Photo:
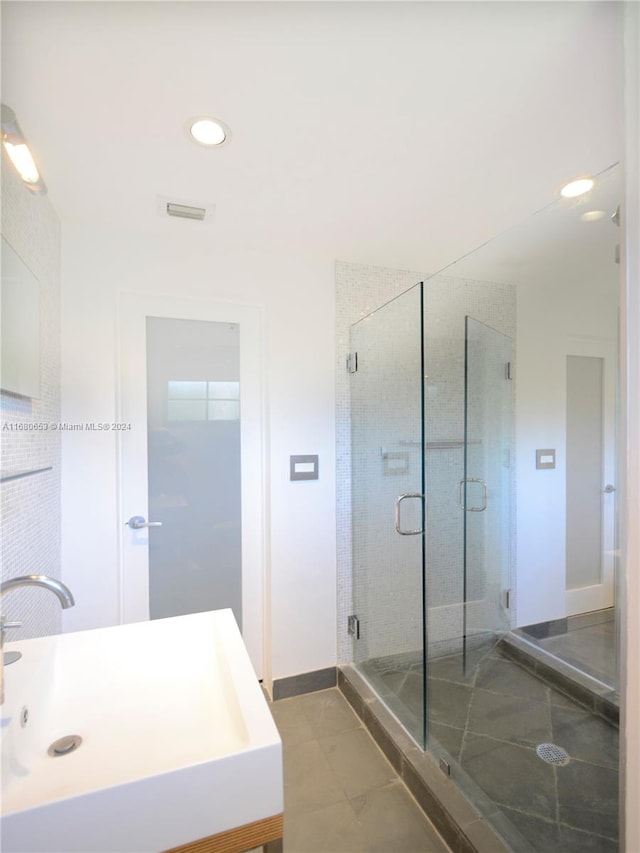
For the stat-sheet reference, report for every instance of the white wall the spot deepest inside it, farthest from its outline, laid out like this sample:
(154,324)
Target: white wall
(549,314)
(298,305)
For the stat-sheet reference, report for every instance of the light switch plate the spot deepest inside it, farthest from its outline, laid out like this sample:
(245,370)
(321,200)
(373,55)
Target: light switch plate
(546,458)
(303,467)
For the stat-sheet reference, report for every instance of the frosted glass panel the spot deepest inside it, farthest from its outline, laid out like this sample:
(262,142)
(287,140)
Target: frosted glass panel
(224,390)
(187,390)
(186,410)
(224,410)
(193,385)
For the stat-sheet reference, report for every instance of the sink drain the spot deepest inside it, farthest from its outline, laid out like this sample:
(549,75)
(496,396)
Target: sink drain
(64,745)
(552,754)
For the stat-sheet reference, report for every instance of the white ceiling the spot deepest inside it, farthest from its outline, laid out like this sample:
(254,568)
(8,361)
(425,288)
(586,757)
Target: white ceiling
(394,133)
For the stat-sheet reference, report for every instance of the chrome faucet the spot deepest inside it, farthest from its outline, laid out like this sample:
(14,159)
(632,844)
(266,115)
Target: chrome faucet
(52,584)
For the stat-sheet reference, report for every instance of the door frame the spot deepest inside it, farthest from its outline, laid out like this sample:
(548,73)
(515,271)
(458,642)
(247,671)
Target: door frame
(132,497)
(599,596)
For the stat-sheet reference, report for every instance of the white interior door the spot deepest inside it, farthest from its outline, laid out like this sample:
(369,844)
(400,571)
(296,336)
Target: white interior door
(591,484)
(191,461)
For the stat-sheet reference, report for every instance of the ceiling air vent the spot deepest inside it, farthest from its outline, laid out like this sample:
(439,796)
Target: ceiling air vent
(185,211)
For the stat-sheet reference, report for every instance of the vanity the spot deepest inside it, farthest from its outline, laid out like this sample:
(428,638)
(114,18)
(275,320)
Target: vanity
(147,737)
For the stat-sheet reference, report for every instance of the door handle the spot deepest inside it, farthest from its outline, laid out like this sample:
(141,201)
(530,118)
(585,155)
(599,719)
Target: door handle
(137,522)
(397,514)
(461,504)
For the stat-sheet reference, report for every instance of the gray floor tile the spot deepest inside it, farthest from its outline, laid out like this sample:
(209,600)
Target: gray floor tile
(392,822)
(513,718)
(331,829)
(356,761)
(589,798)
(545,832)
(561,700)
(585,737)
(309,781)
(341,794)
(448,702)
(411,693)
(450,668)
(511,775)
(592,649)
(476,654)
(395,681)
(449,737)
(506,677)
(328,713)
(292,724)
(575,841)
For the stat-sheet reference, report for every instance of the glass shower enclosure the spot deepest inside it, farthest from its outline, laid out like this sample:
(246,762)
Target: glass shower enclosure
(431,413)
(388,505)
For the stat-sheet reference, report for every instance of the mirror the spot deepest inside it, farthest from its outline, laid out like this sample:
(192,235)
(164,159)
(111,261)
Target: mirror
(20,313)
(562,264)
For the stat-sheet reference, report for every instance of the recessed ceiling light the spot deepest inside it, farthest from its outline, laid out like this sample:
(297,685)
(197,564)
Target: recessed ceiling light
(207,131)
(576,188)
(592,215)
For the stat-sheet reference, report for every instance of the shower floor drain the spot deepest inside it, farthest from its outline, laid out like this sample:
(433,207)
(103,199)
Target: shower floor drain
(552,754)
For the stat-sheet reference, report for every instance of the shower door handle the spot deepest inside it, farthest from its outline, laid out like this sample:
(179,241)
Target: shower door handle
(485,491)
(397,514)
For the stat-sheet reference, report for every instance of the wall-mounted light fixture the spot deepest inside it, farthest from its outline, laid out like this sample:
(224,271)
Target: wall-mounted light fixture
(18,150)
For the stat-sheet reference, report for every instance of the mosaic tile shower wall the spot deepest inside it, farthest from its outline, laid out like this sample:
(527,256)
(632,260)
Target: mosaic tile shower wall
(30,511)
(359,290)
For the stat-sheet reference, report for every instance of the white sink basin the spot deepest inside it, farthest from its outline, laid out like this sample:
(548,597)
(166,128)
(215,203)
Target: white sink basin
(178,742)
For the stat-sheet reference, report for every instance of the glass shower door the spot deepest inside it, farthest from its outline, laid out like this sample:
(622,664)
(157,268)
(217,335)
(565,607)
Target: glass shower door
(485,490)
(468,492)
(387,441)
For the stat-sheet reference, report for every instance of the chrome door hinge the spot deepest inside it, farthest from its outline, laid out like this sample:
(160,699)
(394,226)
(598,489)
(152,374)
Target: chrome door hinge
(506,598)
(352,362)
(508,372)
(353,627)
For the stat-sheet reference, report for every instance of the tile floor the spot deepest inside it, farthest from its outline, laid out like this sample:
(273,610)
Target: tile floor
(341,795)
(490,719)
(592,649)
